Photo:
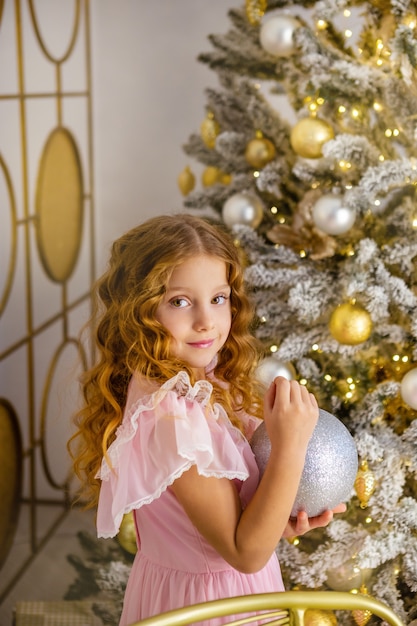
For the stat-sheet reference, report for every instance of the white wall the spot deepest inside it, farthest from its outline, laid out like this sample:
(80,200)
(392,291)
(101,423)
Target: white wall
(148,96)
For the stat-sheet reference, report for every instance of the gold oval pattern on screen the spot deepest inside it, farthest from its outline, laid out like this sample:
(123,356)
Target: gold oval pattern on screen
(10,476)
(7,225)
(59,205)
(36,17)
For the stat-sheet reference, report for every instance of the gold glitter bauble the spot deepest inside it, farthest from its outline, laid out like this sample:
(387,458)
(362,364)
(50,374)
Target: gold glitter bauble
(308,136)
(186,181)
(127,534)
(365,484)
(318,617)
(209,130)
(350,324)
(255,10)
(212,175)
(259,152)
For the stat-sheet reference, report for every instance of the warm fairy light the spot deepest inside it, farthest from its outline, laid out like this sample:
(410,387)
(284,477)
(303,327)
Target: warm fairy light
(303,254)
(263,319)
(312,107)
(295,541)
(345,165)
(377,106)
(346,13)
(315,347)
(404,359)
(348,33)
(379,62)
(377,203)
(273,348)
(327,377)
(388,132)
(303,381)
(396,357)
(342,108)
(321,24)
(281,219)
(368,520)
(352,386)
(349,395)
(354,591)
(320,101)
(379,44)
(414,222)
(349,380)
(256,174)
(348,186)
(355,113)
(381,157)
(395,132)
(274,210)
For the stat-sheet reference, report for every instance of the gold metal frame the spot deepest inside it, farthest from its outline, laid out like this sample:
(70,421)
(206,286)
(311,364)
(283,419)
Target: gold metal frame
(287,607)
(24,242)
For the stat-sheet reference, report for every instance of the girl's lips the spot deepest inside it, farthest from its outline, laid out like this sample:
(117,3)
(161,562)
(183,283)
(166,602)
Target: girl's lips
(202,344)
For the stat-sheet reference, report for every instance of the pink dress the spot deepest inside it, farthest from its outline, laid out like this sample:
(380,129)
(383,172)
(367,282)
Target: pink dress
(166,430)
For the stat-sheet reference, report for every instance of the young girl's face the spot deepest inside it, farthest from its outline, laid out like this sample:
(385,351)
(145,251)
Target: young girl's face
(196,310)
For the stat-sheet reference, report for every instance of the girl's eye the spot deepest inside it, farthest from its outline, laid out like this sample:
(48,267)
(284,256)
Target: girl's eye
(221,299)
(178,303)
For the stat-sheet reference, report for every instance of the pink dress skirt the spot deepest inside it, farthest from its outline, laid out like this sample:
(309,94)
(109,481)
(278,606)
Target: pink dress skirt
(164,432)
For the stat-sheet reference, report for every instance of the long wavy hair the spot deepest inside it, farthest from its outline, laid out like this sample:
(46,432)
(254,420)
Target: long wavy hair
(129,339)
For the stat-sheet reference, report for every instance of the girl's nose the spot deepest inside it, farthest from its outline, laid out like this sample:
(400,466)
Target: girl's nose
(203,319)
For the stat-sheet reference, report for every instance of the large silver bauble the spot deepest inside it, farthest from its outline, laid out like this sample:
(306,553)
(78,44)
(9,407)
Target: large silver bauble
(330,466)
(276,35)
(243,208)
(409,388)
(270,367)
(331,216)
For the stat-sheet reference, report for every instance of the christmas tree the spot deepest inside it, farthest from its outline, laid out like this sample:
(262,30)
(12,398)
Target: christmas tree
(308,152)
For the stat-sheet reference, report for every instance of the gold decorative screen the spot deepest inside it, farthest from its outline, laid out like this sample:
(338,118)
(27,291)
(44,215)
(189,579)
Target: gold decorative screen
(46,263)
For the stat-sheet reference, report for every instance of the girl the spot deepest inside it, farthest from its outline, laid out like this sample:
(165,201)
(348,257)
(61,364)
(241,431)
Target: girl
(169,409)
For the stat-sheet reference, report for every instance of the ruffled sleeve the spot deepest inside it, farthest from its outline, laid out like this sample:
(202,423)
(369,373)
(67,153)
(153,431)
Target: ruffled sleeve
(162,435)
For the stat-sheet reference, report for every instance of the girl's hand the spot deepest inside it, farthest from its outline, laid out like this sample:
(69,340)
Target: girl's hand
(290,414)
(302,524)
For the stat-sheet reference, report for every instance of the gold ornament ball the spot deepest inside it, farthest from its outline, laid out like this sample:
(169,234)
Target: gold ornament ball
(186,181)
(318,617)
(127,534)
(350,324)
(209,130)
(308,136)
(259,152)
(210,176)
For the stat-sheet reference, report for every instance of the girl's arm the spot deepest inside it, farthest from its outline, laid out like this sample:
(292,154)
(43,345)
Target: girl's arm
(247,538)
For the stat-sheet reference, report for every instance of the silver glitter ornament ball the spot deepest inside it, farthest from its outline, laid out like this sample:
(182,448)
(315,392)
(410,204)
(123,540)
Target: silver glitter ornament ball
(330,467)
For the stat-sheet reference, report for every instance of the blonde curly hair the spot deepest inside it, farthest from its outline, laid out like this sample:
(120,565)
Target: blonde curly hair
(129,338)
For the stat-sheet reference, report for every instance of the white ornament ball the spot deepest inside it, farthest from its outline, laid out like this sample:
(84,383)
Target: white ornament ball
(330,466)
(347,576)
(276,35)
(270,367)
(243,208)
(409,388)
(331,216)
